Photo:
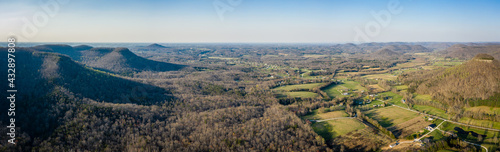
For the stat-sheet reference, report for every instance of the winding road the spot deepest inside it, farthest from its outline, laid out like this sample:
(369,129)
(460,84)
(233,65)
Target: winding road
(446,120)
(492,129)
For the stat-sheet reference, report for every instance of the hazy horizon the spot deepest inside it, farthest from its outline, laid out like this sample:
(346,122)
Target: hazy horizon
(218,21)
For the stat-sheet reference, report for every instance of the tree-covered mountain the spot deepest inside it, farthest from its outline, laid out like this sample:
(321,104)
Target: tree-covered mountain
(122,60)
(116,60)
(52,88)
(42,71)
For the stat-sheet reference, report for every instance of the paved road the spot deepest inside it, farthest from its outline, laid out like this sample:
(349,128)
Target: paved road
(449,120)
(333,119)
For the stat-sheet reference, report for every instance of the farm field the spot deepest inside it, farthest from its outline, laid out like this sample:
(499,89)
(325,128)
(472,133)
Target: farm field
(486,109)
(446,64)
(401,87)
(334,128)
(335,90)
(484,123)
(412,63)
(301,94)
(391,116)
(422,97)
(375,88)
(431,110)
(386,76)
(320,116)
(409,127)
(366,139)
(396,98)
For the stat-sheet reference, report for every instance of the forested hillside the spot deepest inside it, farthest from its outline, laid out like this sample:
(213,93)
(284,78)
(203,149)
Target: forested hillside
(116,60)
(63,105)
(477,79)
(469,51)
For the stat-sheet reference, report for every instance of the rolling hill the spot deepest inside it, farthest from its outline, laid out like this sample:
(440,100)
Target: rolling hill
(384,54)
(477,79)
(469,51)
(407,48)
(399,47)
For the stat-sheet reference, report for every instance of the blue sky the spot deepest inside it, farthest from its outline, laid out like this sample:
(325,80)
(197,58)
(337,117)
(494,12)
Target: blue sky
(314,21)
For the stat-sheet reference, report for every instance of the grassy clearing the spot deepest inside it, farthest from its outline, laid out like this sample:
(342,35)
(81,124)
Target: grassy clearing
(375,88)
(344,126)
(298,86)
(366,139)
(301,94)
(401,87)
(391,116)
(429,67)
(334,128)
(422,97)
(353,85)
(437,135)
(484,123)
(386,76)
(447,64)
(335,90)
(485,109)
(412,63)
(396,98)
(431,110)
(320,116)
